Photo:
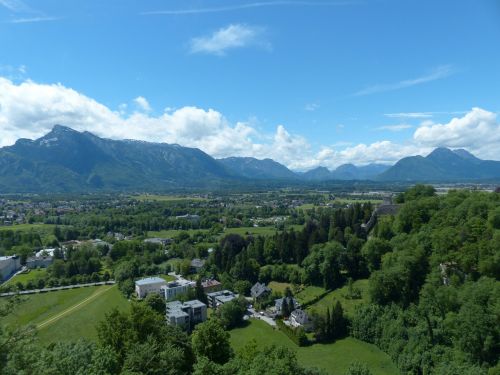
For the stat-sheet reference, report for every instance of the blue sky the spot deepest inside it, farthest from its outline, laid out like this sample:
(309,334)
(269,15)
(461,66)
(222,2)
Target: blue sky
(307,83)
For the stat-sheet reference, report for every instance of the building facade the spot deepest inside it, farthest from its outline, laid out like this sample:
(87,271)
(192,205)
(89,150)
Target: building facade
(174,288)
(8,266)
(149,285)
(186,315)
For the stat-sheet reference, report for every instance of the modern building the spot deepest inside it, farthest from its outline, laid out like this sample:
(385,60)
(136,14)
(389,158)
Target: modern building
(186,315)
(39,261)
(8,266)
(149,285)
(177,287)
(211,285)
(216,299)
(259,290)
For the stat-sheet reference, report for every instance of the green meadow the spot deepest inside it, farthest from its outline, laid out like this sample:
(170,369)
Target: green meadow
(334,358)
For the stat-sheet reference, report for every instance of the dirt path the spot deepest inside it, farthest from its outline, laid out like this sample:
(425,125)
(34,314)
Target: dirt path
(73,308)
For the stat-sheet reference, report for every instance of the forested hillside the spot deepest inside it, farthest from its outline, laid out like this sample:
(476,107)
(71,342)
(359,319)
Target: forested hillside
(435,291)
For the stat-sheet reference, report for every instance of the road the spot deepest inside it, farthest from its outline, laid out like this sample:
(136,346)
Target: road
(34,291)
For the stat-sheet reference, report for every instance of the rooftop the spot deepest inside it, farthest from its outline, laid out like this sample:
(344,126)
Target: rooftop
(150,280)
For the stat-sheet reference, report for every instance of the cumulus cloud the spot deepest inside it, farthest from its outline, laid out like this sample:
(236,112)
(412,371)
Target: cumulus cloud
(142,103)
(311,107)
(230,37)
(30,110)
(478,131)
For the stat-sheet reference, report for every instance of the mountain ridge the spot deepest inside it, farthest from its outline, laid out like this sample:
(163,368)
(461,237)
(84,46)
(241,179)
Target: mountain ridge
(67,160)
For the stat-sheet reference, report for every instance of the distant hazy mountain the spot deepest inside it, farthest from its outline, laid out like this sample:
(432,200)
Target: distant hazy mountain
(346,172)
(442,164)
(67,160)
(255,168)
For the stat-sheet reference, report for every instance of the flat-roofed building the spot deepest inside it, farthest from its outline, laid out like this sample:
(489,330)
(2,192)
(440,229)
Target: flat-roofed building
(149,285)
(186,315)
(174,288)
(219,298)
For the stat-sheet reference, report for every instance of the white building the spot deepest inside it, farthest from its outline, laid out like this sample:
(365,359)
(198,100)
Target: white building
(8,266)
(175,288)
(149,285)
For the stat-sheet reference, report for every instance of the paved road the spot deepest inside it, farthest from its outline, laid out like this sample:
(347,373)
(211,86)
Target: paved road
(254,314)
(44,290)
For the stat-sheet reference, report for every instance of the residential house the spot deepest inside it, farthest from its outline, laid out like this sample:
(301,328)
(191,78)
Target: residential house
(299,318)
(187,314)
(174,288)
(149,285)
(259,290)
(216,299)
(8,266)
(291,302)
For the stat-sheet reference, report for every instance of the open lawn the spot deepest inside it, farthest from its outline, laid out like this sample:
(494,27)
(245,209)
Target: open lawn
(243,231)
(309,293)
(32,275)
(349,305)
(68,314)
(334,358)
(43,228)
(171,233)
(279,287)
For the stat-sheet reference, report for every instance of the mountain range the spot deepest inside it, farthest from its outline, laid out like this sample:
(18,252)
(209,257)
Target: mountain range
(66,160)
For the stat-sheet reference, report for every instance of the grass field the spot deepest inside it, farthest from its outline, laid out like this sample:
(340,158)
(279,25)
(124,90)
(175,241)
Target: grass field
(32,275)
(309,293)
(334,358)
(279,287)
(68,314)
(256,231)
(27,227)
(348,305)
(171,233)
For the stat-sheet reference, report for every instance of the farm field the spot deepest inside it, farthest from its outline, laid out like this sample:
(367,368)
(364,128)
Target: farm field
(68,314)
(334,358)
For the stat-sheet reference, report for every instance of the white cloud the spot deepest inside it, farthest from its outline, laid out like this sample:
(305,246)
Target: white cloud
(230,37)
(34,19)
(395,128)
(30,110)
(311,107)
(478,131)
(440,72)
(142,103)
(247,6)
(409,115)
